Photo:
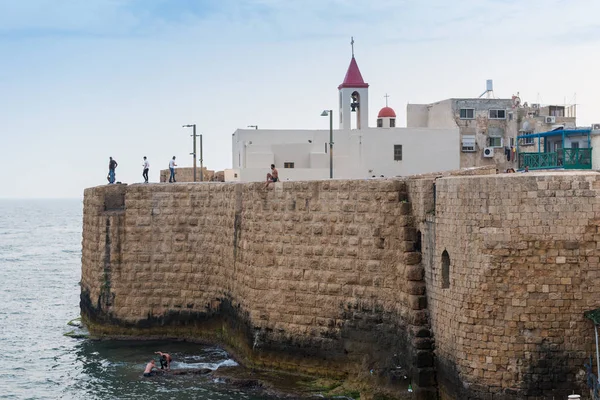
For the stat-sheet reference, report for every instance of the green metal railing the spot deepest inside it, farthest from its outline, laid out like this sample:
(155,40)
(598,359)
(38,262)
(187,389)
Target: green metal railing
(538,160)
(563,158)
(577,158)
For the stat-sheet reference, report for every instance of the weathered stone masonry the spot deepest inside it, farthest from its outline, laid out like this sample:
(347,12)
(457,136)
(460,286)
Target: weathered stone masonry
(342,277)
(320,276)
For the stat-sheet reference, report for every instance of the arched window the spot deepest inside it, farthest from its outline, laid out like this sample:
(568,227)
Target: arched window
(445,270)
(417,245)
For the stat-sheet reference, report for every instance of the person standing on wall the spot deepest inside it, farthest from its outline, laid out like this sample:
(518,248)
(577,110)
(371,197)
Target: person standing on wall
(112,165)
(146,168)
(172,166)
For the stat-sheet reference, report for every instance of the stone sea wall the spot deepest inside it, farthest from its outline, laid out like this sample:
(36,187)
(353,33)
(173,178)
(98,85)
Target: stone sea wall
(320,277)
(470,286)
(524,265)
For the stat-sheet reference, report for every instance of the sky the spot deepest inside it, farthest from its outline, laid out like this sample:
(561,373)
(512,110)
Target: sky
(84,80)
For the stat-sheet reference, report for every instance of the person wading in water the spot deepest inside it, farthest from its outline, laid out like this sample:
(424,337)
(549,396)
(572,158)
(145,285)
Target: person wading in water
(165,360)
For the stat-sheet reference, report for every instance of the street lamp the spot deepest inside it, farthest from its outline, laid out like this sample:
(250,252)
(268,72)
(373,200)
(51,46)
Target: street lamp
(324,114)
(194,152)
(253,126)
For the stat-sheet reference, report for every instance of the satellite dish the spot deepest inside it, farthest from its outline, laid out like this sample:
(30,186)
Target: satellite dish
(526,127)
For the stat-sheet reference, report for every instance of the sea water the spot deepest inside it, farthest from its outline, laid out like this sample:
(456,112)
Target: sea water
(40,270)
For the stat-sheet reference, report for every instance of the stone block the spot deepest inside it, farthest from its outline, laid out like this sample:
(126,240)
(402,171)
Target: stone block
(424,377)
(417,302)
(415,288)
(411,258)
(415,273)
(423,359)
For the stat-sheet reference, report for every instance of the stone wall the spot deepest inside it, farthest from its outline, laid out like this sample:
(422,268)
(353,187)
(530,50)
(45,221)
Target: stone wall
(345,277)
(186,174)
(318,277)
(524,266)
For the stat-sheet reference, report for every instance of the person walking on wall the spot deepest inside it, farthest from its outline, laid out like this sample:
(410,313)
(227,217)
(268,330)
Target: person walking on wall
(146,168)
(172,166)
(112,165)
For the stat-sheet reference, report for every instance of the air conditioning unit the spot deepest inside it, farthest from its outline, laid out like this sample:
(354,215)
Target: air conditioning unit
(488,152)
(596,127)
(535,105)
(550,120)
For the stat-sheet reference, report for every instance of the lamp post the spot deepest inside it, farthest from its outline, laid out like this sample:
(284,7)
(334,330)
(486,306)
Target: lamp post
(194,151)
(253,126)
(324,114)
(201,161)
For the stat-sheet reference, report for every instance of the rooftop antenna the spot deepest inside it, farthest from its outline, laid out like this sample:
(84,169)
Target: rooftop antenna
(489,90)
(352,44)
(386,99)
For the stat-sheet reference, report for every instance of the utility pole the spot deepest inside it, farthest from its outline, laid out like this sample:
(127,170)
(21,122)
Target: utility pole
(194,153)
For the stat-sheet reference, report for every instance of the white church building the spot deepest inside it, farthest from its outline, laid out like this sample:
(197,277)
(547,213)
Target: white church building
(353,151)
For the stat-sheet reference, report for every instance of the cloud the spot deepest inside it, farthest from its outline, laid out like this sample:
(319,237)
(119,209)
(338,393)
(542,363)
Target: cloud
(99,18)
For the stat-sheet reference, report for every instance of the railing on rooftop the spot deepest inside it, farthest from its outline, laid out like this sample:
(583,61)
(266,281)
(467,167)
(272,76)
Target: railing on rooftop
(563,158)
(577,158)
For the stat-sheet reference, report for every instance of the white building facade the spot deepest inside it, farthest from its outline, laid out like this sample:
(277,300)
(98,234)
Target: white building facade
(358,150)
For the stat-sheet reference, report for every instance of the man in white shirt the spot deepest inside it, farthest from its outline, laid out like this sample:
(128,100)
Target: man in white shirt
(146,168)
(172,166)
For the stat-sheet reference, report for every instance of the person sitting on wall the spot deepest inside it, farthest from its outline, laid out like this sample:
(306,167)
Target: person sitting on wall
(150,367)
(165,360)
(273,176)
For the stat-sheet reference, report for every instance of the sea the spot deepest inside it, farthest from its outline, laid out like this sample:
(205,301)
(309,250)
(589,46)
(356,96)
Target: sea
(40,270)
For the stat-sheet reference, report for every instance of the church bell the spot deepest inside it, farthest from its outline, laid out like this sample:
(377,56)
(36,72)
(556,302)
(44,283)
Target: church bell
(355,104)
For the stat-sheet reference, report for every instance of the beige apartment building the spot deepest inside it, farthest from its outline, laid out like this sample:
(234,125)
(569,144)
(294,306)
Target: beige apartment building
(489,129)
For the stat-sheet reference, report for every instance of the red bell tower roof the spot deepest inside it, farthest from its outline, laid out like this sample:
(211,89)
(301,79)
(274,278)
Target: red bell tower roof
(353,77)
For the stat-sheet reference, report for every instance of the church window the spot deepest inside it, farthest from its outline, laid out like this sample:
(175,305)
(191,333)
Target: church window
(397,152)
(392,122)
(288,165)
(467,113)
(379,122)
(445,270)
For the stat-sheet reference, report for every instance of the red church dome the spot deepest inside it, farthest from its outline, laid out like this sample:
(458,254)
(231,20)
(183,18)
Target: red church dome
(387,112)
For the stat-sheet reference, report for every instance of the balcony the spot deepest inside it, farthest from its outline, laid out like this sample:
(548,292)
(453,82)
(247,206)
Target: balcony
(572,149)
(563,158)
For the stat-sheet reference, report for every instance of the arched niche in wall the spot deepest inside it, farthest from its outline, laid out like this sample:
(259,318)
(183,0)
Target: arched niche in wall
(417,246)
(445,270)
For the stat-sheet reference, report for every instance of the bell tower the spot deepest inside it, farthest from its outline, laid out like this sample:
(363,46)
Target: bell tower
(354,98)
